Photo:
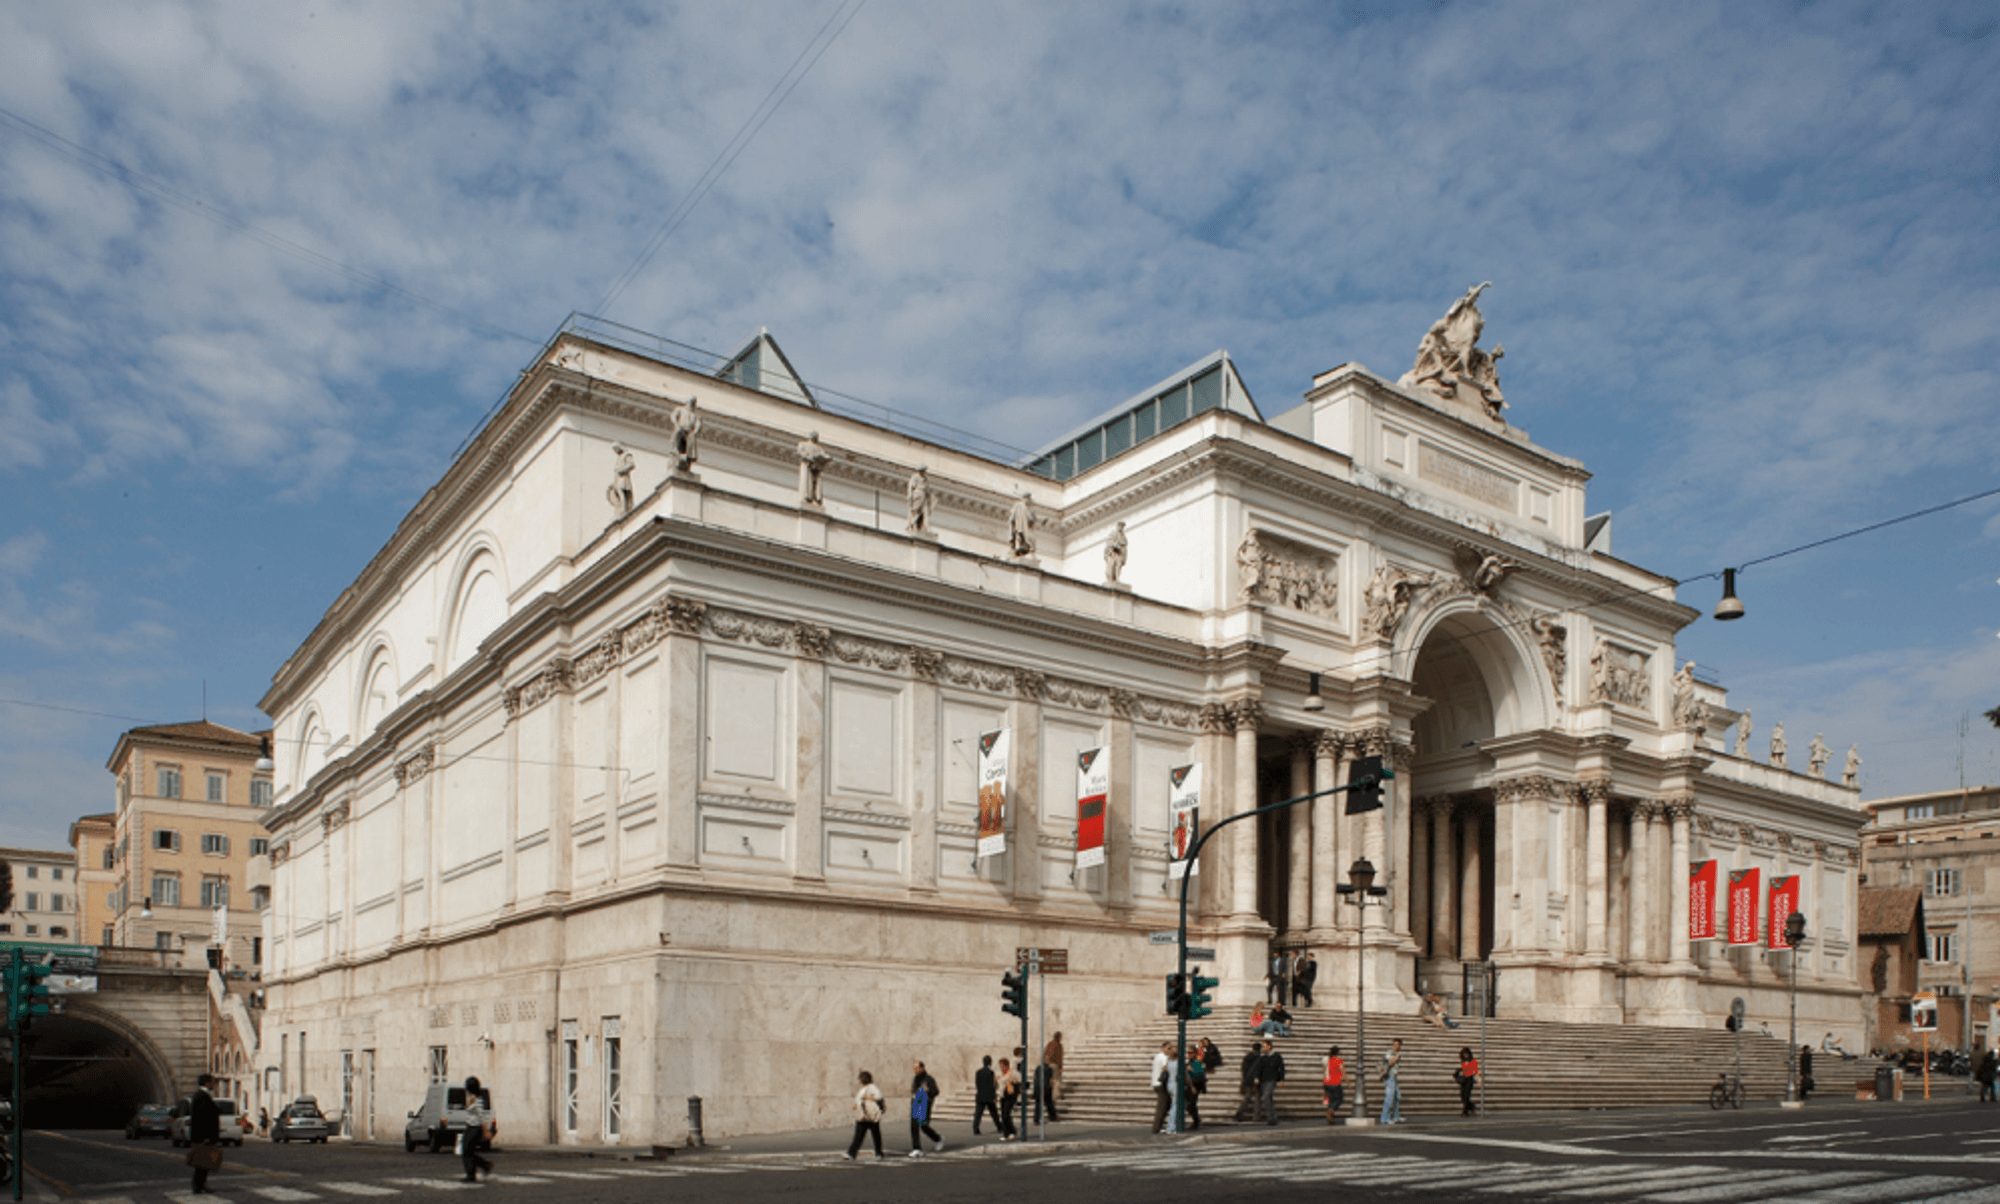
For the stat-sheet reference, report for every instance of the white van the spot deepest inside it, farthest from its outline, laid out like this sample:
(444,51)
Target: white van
(443,1117)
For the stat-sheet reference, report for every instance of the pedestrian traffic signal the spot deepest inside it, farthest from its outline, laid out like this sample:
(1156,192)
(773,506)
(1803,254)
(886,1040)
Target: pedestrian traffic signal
(27,994)
(1200,1002)
(1365,778)
(1014,993)
(1177,996)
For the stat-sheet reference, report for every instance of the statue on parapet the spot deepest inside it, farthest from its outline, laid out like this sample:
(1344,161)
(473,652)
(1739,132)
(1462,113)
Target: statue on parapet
(1116,548)
(1818,755)
(1851,775)
(1020,527)
(1450,364)
(687,429)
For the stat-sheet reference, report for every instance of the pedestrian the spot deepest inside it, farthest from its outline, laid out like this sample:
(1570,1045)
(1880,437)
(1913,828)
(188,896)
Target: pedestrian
(1275,978)
(1270,1072)
(1052,1054)
(1246,1106)
(1805,1072)
(1045,1096)
(1010,1099)
(1194,1081)
(204,1132)
(1987,1072)
(1277,1024)
(923,1093)
(479,1129)
(985,1096)
(867,1116)
(264,1122)
(1211,1059)
(1162,1095)
(1303,980)
(1392,1091)
(1467,1075)
(1334,1085)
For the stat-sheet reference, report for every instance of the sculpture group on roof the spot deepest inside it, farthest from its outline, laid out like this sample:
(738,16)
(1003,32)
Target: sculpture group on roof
(1450,365)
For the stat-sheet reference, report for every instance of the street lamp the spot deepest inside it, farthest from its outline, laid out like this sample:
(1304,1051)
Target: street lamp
(1795,935)
(1360,890)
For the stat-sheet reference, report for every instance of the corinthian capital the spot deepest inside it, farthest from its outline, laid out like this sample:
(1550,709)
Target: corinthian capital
(1246,714)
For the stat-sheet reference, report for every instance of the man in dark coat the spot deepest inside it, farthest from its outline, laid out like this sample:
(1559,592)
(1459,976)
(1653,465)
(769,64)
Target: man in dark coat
(986,1096)
(1246,1109)
(1303,980)
(204,1128)
(1805,1072)
(1270,1072)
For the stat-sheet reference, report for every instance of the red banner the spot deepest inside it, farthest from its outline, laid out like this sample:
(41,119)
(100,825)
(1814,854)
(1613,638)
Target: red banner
(1784,901)
(1701,899)
(1744,896)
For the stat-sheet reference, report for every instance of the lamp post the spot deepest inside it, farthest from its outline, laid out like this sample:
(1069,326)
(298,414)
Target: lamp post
(1360,890)
(1795,935)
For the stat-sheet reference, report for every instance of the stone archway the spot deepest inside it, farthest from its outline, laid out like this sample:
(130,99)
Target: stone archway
(1483,679)
(89,1068)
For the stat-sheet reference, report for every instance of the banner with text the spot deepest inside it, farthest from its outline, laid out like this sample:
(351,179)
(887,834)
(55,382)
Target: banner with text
(1184,806)
(1701,899)
(1784,901)
(1744,894)
(993,793)
(1093,785)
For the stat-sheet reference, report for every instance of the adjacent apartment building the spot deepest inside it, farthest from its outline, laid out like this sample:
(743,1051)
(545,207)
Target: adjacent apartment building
(94,840)
(1947,845)
(44,907)
(190,800)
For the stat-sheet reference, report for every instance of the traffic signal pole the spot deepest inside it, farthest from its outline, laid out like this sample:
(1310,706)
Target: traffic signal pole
(16,1021)
(1194,851)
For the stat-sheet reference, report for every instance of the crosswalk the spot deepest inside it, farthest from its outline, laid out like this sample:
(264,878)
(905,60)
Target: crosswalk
(1662,1182)
(238,1188)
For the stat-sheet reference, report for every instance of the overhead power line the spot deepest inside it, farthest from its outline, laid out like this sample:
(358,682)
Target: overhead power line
(773,100)
(169,194)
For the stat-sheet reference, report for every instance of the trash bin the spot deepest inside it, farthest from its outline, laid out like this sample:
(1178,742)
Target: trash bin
(1885,1083)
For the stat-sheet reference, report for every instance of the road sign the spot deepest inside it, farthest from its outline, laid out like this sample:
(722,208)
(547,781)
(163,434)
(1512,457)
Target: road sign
(1171,936)
(1198,954)
(1923,1012)
(1047,961)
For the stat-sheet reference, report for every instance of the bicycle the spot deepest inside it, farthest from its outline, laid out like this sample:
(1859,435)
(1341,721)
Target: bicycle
(1728,1090)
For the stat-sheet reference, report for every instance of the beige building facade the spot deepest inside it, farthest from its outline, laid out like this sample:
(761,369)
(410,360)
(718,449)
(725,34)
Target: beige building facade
(94,841)
(643,761)
(191,800)
(1945,844)
(45,897)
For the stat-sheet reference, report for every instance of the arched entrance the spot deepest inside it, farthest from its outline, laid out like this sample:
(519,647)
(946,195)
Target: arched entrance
(1482,682)
(89,1069)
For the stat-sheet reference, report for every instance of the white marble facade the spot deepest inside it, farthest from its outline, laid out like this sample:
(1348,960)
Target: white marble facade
(679,799)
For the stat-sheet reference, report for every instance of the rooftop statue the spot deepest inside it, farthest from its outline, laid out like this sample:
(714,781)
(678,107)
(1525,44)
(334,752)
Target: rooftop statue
(1449,365)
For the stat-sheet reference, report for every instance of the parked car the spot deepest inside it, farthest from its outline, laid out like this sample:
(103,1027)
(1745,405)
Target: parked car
(151,1120)
(231,1117)
(301,1120)
(442,1118)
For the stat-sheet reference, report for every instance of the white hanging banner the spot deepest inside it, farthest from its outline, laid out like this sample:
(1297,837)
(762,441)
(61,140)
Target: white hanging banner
(1184,805)
(993,747)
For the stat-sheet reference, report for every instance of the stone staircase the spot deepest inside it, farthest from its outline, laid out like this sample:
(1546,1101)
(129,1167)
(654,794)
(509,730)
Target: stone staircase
(1530,1065)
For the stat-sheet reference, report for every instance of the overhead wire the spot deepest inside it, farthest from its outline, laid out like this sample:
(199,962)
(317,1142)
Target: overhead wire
(752,125)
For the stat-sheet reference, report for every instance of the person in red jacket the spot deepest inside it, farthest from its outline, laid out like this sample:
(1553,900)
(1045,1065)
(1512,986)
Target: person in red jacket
(1467,1075)
(1334,1085)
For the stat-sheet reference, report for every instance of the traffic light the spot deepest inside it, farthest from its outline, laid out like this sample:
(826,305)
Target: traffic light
(1014,993)
(1733,1024)
(1177,996)
(1199,1001)
(1366,776)
(27,994)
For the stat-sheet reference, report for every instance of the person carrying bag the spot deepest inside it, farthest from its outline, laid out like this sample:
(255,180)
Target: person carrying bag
(204,1133)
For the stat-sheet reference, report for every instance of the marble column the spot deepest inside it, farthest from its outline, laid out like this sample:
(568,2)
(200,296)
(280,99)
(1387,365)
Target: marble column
(1597,869)
(1420,874)
(1298,830)
(680,809)
(1403,758)
(1682,811)
(1244,715)
(1659,907)
(1617,924)
(1468,883)
(1443,930)
(1641,858)
(1024,784)
(1326,867)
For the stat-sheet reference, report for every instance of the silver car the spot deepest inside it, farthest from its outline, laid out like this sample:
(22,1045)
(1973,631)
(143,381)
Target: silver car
(300,1121)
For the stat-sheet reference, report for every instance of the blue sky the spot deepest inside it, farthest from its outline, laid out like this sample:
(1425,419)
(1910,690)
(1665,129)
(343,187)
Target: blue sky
(1744,262)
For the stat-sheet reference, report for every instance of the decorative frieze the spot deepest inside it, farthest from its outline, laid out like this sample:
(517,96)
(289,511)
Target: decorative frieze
(1281,572)
(1621,675)
(553,679)
(1214,718)
(852,650)
(926,662)
(1029,683)
(334,818)
(978,675)
(811,640)
(1075,694)
(750,629)
(597,661)
(412,770)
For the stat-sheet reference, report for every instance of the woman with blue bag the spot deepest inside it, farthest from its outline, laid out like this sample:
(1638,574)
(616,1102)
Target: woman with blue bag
(923,1093)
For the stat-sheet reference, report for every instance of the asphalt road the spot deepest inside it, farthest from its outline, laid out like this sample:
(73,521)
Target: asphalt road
(1835,1154)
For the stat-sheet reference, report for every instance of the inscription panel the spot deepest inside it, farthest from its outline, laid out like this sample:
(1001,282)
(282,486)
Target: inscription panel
(1467,477)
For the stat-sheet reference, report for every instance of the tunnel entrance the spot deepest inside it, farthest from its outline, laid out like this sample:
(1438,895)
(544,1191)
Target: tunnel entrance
(83,1073)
